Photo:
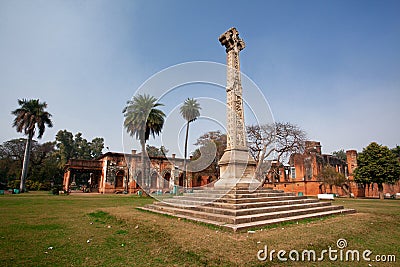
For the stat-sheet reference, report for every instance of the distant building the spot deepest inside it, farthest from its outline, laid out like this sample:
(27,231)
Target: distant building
(110,173)
(301,175)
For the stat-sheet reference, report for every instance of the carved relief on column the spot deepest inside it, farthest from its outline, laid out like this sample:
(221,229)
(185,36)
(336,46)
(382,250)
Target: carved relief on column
(237,168)
(235,119)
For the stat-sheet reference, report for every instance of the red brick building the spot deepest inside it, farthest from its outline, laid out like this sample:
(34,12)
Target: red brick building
(301,175)
(118,172)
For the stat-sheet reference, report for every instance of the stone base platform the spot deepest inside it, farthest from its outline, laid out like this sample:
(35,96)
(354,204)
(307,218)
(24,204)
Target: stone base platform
(239,209)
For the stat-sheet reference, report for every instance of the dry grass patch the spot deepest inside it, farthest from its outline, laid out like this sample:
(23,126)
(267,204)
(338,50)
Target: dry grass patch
(121,235)
(374,228)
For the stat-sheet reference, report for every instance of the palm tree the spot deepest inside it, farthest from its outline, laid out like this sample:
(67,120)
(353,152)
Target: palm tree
(142,118)
(31,115)
(190,111)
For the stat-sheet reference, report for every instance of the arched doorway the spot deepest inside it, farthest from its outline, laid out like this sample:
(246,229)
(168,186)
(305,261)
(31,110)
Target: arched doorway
(119,179)
(199,180)
(322,188)
(181,179)
(167,177)
(153,183)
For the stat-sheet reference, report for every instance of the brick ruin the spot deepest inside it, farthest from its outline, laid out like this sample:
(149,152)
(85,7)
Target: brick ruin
(301,175)
(110,174)
(118,172)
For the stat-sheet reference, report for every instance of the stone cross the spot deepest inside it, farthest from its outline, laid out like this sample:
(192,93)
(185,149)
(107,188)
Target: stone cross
(236,138)
(237,167)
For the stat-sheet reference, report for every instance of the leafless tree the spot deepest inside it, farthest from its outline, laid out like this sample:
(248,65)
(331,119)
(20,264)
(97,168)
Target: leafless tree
(275,141)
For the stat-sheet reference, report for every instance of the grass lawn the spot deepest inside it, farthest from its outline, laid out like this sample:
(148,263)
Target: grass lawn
(38,229)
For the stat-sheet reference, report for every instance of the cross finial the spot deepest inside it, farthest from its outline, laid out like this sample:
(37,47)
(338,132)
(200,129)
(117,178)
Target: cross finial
(231,40)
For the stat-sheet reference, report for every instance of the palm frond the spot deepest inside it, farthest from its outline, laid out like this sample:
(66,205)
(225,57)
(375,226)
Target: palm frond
(31,115)
(142,118)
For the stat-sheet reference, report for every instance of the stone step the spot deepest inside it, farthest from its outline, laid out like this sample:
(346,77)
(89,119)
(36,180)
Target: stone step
(191,203)
(243,218)
(284,213)
(235,191)
(241,209)
(245,186)
(234,200)
(257,224)
(191,213)
(148,208)
(250,211)
(236,196)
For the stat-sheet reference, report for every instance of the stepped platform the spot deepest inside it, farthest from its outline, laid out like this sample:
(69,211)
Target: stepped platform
(238,209)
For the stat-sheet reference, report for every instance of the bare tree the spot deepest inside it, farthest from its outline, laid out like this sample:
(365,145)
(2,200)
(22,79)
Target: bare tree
(274,141)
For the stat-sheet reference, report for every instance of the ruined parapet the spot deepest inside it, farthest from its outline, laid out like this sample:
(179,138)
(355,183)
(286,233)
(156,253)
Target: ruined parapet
(351,156)
(313,146)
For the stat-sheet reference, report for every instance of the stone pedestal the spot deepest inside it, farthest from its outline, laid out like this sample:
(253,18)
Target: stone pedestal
(237,169)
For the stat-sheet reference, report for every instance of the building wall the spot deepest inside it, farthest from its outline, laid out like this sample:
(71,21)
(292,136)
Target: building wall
(121,172)
(309,164)
(113,172)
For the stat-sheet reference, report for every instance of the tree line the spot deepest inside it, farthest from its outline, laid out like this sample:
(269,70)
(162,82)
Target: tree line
(47,160)
(27,164)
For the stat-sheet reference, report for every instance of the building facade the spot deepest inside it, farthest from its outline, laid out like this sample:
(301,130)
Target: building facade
(302,174)
(118,172)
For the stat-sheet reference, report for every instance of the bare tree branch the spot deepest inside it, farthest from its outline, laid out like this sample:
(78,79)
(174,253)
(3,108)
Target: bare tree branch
(274,141)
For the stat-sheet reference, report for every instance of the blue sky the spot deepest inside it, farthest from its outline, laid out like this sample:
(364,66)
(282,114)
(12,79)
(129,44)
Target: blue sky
(331,67)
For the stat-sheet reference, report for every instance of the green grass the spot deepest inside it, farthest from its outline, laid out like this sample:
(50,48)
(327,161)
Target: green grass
(38,229)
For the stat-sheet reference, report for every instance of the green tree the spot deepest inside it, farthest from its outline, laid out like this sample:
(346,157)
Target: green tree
(377,164)
(31,115)
(212,146)
(13,149)
(41,151)
(396,151)
(142,119)
(81,147)
(41,165)
(329,176)
(65,146)
(48,171)
(190,111)
(45,167)
(96,147)
(153,151)
(77,147)
(341,154)
(11,159)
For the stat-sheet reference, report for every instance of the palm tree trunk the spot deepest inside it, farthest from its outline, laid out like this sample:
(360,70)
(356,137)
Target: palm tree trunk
(25,165)
(184,161)
(143,183)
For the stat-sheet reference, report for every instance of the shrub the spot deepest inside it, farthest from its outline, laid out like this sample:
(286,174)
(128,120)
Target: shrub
(56,189)
(14,184)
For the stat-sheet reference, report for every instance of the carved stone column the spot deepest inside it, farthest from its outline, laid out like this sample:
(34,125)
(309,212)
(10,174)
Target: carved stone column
(237,167)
